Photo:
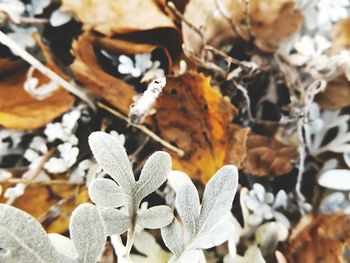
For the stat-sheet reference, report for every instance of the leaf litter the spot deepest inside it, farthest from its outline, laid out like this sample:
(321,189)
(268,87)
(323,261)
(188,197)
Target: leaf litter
(185,131)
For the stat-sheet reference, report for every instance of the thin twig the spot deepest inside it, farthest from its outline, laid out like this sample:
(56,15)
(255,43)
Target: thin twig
(39,168)
(19,51)
(33,20)
(144,129)
(44,182)
(178,14)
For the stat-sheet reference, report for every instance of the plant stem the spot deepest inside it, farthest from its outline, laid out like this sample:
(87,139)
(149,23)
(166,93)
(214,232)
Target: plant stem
(130,241)
(19,51)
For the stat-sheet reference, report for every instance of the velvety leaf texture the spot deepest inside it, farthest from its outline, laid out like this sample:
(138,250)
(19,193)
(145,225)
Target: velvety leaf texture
(112,157)
(88,233)
(153,174)
(218,196)
(173,236)
(209,227)
(187,204)
(24,240)
(156,217)
(116,222)
(106,193)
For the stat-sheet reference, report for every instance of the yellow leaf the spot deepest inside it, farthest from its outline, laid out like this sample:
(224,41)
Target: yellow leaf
(197,118)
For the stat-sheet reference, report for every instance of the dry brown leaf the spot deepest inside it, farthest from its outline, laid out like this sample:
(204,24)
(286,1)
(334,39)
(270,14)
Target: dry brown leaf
(8,65)
(273,21)
(218,20)
(118,17)
(18,110)
(194,116)
(124,46)
(223,21)
(38,198)
(341,36)
(88,71)
(336,95)
(321,239)
(266,156)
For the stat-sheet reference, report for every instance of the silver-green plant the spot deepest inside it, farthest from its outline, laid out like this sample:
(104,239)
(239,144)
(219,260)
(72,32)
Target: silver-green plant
(23,240)
(204,225)
(125,191)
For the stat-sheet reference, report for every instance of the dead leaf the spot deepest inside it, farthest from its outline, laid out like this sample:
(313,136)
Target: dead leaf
(336,94)
(118,17)
(9,64)
(124,46)
(321,239)
(218,20)
(341,36)
(88,71)
(221,22)
(38,198)
(266,156)
(273,21)
(194,116)
(18,110)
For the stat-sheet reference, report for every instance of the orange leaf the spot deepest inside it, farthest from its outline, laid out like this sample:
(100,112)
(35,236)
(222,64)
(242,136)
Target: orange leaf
(194,116)
(336,95)
(87,70)
(322,239)
(18,110)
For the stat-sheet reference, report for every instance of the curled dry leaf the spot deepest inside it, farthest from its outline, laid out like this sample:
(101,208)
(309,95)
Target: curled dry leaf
(38,198)
(341,36)
(87,70)
(336,94)
(18,110)
(223,21)
(196,117)
(266,156)
(322,239)
(273,21)
(118,17)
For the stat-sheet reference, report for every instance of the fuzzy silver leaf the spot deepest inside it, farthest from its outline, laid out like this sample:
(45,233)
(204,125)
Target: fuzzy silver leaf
(112,157)
(88,233)
(153,174)
(106,193)
(155,217)
(116,222)
(23,239)
(188,207)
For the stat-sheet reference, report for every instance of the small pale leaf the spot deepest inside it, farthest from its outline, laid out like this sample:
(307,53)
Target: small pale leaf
(106,193)
(218,196)
(216,235)
(116,222)
(173,237)
(188,206)
(112,157)
(23,240)
(153,174)
(63,245)
(338,179)
(88,233)
(156,217)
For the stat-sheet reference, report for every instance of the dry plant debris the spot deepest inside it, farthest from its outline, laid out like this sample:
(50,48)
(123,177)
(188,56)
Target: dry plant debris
(181,131)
